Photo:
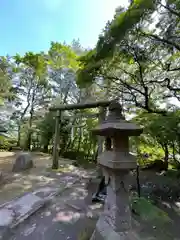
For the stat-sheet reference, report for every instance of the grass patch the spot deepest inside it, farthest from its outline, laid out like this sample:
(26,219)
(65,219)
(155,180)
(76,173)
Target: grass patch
(148,211)
(88,231)
(85,235)
(172,173)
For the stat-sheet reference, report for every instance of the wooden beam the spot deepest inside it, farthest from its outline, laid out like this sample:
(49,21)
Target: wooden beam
(76,126)
(55,163)
(79,115)
(81,106)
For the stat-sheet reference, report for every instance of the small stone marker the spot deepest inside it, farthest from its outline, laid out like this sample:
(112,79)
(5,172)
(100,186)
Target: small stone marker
(23,162)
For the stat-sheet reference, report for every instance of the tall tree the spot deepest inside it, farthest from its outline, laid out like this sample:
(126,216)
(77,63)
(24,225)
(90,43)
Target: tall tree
(33,88)
(140,68)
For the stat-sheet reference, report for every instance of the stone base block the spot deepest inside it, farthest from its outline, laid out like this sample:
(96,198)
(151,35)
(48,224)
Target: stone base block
(104,231)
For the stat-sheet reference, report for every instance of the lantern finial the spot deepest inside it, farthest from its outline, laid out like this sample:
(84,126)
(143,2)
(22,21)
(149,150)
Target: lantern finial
(115,112)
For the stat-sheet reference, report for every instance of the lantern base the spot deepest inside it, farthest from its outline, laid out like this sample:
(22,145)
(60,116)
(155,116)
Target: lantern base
(104,231)
(115,221)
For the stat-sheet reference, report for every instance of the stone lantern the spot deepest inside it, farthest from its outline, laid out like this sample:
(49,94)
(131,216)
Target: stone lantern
(115,222)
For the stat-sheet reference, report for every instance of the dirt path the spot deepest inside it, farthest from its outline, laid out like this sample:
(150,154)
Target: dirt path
(16,184)
(67,217)
(7,159)
(71,213)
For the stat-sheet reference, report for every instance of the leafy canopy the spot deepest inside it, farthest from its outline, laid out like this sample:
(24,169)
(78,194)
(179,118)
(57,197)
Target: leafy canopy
(125,21)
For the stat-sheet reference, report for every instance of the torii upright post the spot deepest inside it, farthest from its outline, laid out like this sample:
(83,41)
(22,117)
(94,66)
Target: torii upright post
(55,164)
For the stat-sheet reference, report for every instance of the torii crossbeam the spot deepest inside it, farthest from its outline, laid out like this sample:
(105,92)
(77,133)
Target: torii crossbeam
(58,109)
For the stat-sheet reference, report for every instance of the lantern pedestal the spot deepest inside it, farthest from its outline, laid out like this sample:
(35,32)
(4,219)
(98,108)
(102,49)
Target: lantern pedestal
(115,222)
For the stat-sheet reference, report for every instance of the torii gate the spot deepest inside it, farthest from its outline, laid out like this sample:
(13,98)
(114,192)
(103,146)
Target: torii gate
(102,105)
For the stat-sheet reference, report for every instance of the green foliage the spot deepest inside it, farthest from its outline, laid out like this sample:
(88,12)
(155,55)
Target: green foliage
(120,25)
(153,153)
(7,143)
(6,87)
(140,58)
(4,144)
(149,212)
(165,128)
(62,56)
(161,134)
(46,128)
(35,61)
(41,88)
(107,42)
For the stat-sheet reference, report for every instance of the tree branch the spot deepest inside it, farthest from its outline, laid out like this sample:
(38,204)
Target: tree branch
(134,97)
(171,10)
(166,41)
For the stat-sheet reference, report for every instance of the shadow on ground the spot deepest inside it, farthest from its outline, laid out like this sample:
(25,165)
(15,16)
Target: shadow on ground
(72,213)
(70,216)
(16,184)
(73,216)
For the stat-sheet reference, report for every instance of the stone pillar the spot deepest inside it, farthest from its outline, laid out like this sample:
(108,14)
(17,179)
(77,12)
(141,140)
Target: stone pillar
(101,118)
(115,222)
(116,163)
(118,214)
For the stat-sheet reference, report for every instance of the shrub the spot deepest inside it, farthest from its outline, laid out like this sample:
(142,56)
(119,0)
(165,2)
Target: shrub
(4,143)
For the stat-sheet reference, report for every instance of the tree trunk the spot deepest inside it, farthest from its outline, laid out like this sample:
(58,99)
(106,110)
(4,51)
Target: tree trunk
(67,146)
(45,148)
(166,156)
(24,113)
(73,143)
(174,152)
(178,137)
(31,119)
(79,140)
(86,145)
(30,129)
(89,150)
(19,136)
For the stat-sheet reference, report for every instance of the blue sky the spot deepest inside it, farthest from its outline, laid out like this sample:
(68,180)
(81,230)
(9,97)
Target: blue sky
(30,25)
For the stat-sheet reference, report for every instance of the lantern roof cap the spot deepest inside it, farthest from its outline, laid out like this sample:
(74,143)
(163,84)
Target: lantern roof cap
(116,123)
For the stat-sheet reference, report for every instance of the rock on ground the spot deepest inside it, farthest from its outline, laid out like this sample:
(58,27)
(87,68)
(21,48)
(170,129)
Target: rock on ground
(6,217)
(23,162)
